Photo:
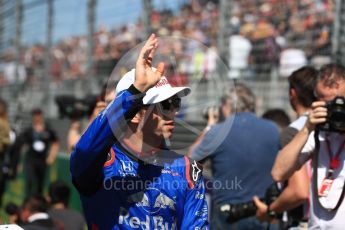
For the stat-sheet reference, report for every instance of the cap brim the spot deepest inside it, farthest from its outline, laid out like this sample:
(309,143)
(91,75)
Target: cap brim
(164,94)
(126,81)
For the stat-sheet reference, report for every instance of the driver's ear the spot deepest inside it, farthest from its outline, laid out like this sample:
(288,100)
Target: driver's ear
(137,118)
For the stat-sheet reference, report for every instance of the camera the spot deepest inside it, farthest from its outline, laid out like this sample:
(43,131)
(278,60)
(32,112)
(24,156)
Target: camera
(206,111)
(75,108)
(335,116)
(217,113)
(236,212)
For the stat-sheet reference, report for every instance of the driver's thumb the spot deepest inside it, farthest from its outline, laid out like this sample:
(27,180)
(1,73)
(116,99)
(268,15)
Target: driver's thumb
(160,68)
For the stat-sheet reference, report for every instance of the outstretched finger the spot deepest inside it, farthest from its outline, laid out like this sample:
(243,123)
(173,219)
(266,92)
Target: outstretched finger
(150,53)
(154,47)
(147,49)
(151,41)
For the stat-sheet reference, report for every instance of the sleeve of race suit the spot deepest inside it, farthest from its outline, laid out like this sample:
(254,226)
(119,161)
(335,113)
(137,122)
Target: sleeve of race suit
(195,208)
(90,153)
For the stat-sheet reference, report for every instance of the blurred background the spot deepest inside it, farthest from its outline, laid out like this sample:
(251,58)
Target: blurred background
(54,53)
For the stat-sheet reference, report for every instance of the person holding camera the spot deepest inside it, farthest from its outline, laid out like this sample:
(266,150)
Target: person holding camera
(294,197)
(242,150)
(322,139)
(76,127)
(122,166)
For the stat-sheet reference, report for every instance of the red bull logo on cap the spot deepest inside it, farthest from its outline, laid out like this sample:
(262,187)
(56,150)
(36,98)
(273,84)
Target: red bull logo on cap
(162,82)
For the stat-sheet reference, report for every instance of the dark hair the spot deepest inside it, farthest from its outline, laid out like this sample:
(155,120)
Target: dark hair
(36,111)
(35,203)
(330,73)
(278,116)
(11,208)
(303,81)
(59,192)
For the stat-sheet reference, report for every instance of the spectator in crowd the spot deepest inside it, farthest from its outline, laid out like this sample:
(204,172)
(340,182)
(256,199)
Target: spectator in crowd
(34,214)
(242,150)
(278,116)
(8,158)
(322,51)
(291,59)
(4,144)
(13,212)
(301,95)
(42,150)
(127,143)
(326,146)
(265,51)
(59,195)
(14,73)
(306,23)
(240,49)
(296,190)
(108,94)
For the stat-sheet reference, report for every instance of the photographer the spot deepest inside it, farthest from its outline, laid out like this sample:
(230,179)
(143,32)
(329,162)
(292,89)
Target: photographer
(296,189)
(75,130)
(242,150)
(322,139)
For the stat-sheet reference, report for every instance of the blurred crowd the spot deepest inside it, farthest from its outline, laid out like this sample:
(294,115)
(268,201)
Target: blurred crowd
(284,34)
(49,212)
(276,36)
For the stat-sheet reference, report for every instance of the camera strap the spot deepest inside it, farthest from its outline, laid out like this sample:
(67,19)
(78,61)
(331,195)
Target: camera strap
(315,174)
(334,160)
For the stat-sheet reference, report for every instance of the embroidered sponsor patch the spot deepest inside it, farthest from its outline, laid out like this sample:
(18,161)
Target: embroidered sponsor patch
(193,172)
(196,172)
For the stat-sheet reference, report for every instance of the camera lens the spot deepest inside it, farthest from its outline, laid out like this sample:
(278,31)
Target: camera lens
(337,114)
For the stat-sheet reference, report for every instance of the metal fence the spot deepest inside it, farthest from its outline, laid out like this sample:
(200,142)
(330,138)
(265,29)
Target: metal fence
(55,47)
(60,47)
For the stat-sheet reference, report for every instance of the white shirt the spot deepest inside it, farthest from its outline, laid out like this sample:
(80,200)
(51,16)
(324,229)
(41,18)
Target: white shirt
(240,48)
(10,72)
(38,216)
(299,123)
(291,60)
(319,217)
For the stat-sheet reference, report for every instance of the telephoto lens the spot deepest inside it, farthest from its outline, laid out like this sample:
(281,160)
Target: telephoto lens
(236,212)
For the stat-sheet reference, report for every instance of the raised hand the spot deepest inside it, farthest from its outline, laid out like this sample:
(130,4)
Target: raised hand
(145,76)
(317,115)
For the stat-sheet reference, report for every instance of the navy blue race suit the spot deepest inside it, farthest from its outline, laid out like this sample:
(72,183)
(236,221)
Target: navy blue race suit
(120,191)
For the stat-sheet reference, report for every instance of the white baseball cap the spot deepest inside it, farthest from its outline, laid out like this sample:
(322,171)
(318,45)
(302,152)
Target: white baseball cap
(161,91)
